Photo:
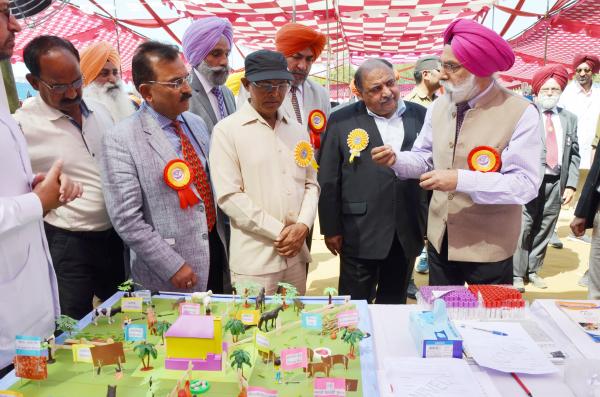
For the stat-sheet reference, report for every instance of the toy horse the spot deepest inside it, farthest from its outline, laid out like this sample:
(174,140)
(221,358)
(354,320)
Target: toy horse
(266,316)
(260,300)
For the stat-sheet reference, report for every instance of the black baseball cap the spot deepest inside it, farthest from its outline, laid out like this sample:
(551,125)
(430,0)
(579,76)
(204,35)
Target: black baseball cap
(266,65)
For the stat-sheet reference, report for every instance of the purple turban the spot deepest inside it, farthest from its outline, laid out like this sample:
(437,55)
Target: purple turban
(480,50)
(202,35)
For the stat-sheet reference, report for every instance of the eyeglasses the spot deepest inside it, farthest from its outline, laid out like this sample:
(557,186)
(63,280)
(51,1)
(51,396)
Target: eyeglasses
(175,84)
(551,90)
(586,71)
(271,87)
(62,88)
(451,67)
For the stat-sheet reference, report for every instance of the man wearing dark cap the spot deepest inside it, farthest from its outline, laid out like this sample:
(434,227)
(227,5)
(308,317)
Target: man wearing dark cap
(479,152)
(427,80)
(561,171)
(264,176)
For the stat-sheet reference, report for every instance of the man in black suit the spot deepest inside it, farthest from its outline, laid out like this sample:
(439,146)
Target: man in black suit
(368,216)
(586,217)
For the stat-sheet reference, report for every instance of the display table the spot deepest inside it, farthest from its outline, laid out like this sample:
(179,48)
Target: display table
(392,339)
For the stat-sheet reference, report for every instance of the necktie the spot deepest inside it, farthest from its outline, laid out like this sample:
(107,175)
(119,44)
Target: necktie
(296,105)
(200,176)
(220,100)
(551,143)
(461,109)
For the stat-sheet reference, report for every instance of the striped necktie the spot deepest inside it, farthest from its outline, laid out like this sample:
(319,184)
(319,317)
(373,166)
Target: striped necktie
(220,100)
(295,104)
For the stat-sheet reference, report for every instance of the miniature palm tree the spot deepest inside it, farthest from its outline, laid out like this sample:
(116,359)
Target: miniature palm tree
(330,291)
(352,337)
(66,324)
(239,358)
(288,291)
(144,350)
(235,327)
(277,300)
(161,328)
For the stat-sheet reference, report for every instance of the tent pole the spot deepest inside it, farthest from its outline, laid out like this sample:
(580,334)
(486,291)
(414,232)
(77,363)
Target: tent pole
(328,48)
(294,11)
(546,34)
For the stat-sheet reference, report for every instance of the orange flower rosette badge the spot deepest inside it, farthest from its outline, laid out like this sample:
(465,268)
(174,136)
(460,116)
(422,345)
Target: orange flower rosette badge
(304,155)
(178,176)
(316,123)
(484,159)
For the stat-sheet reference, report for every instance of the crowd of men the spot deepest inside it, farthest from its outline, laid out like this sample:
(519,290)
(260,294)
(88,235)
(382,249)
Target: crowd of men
(187,191)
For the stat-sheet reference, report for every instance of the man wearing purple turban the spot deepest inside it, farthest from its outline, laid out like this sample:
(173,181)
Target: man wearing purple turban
(206,45)
(479,152)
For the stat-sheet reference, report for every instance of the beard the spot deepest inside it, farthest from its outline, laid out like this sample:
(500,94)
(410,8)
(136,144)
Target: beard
(547,102)
(462,91)
(113,96)
(216,75)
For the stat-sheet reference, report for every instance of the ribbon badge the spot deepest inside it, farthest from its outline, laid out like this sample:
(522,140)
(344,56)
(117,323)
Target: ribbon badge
(484,159)
(178,176)
(358,140)
(316,122)
(304,155)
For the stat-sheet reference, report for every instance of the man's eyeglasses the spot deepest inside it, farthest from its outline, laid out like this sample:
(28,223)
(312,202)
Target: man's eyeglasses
(62,88)
(451,67)
(271,87)
(586,71)
(175,84)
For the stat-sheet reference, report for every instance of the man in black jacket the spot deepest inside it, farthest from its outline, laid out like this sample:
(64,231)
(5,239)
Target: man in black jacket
(368,216)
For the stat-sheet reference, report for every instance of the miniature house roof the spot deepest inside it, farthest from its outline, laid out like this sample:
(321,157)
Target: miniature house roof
(193,327)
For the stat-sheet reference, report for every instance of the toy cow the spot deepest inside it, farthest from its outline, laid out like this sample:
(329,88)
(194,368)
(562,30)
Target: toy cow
(107,312)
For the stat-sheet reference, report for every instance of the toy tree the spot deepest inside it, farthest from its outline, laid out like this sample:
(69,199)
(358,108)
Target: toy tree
(330,291)
(239,358)
(277,300)
(66,324)
(235,327)
(247,288)
(352,337)
(126,286)
(287,291)
(145,350)
(48,344)
(161,328)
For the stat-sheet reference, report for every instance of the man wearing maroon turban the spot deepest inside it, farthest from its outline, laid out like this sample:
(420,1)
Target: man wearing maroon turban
(479,153)
(561,171)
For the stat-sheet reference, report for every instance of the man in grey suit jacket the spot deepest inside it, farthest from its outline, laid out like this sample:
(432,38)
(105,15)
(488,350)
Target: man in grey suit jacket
(561,171)
(207,45)
(155,174)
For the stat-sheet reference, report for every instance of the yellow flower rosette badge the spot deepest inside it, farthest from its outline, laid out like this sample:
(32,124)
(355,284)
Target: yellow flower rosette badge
(304,155)
(358,140)
(178,176)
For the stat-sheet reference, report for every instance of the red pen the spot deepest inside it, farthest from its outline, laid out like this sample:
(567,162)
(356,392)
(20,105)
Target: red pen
(520,382)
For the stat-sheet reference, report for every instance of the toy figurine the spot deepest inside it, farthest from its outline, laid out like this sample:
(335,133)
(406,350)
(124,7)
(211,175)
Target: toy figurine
(277,365)
(151,320)
(298,306)
(260,300)
(107,312)
(126,321)
(266,316)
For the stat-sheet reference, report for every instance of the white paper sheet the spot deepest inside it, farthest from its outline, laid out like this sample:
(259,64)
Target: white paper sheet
(434,377)
(514,352)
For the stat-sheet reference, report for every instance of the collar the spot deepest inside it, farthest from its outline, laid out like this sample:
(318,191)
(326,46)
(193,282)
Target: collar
(163,121)
(248,114)
(299,89)
(581,90)
(54,114)
(554,110)
(423,96)
(401,109)
(477,98)
(207,85)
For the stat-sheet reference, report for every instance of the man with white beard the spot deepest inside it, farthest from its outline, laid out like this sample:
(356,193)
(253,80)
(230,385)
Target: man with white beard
(561,172)
(479,151)
(101,69)
(206,45)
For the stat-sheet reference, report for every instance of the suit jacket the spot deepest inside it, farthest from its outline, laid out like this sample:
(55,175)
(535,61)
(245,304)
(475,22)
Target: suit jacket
(314,97)
(201,106)
(364,202)
(569,168)
(587,206)
(145,211)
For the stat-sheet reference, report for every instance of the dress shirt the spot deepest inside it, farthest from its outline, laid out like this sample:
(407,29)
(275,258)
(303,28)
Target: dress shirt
(165,124)
(208,86)
(559,139)
(520,162)
(53,135)
(586,106)
(28,289)
(421,98)
(260,187)
(391,129)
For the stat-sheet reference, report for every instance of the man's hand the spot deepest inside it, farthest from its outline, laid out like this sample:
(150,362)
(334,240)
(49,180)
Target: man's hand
(383,155)
(185,278)
(568,195)
(334,244)
(443,180)
(578,226)
(291,239)
(55,188)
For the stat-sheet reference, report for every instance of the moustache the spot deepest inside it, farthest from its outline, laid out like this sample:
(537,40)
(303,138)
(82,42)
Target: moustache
(111,87)
(185,97)
(68,102)
(299,73)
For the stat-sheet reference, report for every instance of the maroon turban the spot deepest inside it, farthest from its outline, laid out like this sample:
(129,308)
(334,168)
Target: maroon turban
(592,61)
(556,72)
(479,49)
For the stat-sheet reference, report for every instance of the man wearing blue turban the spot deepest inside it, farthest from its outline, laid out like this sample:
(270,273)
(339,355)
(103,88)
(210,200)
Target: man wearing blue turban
(206,45)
